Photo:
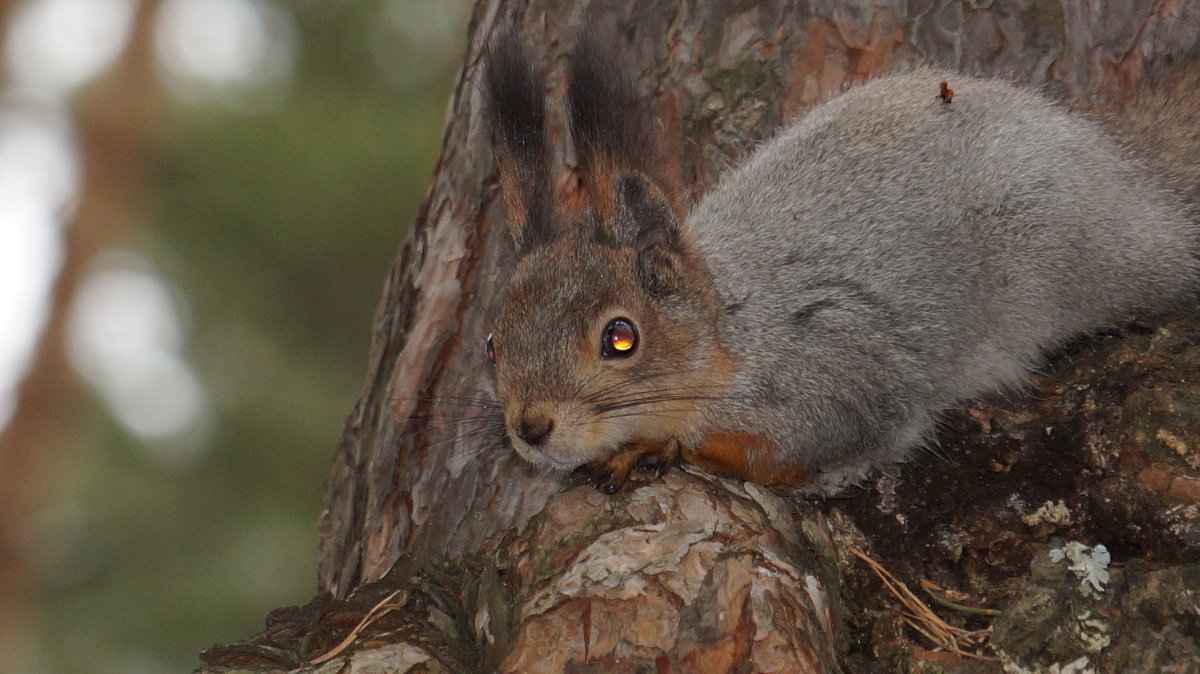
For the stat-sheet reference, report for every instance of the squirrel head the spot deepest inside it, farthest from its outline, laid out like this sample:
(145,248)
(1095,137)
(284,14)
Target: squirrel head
(607,333)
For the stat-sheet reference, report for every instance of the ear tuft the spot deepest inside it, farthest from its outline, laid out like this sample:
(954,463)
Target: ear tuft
(614,132)
(607,118)
(517,109)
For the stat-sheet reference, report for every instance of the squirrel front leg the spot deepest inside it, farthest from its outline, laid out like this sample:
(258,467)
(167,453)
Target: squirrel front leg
(610,474)
(748,457)
(729,453)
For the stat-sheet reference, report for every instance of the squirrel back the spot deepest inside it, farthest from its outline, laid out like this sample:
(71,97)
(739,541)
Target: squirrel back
(890,254)
(885,256)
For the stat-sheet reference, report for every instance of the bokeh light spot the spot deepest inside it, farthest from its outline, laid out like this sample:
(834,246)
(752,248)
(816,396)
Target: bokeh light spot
(125,335)
(57,45)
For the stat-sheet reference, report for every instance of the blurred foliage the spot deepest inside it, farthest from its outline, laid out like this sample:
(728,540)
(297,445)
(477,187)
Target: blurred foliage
(278,230)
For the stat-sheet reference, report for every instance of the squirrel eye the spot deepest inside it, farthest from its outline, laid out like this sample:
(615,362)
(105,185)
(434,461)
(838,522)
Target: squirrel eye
(620,339)
(491,350)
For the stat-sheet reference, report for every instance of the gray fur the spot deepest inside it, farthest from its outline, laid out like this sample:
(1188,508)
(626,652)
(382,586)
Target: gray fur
(882,259)
(889,255)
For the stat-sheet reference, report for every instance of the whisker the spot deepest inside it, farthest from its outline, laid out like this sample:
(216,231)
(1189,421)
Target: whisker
(435,422)
(474,433)
(704,389)
(644,410)
(451,400)
(481,432)
(641,398)
(642,414)
(644,376)
(584,383)
(490,420)
(603,393)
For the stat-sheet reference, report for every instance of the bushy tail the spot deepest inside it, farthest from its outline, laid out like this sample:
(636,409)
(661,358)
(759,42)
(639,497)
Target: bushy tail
(1161,122)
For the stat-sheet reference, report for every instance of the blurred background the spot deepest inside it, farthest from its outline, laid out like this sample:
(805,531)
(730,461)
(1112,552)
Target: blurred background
(199,202)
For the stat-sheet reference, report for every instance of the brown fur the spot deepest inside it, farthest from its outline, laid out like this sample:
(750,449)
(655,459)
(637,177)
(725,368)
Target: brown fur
(746,456)
(510,184)
(621,238)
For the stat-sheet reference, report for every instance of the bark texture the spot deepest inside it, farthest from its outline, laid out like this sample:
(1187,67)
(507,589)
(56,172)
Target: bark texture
(697,574)
(687,573)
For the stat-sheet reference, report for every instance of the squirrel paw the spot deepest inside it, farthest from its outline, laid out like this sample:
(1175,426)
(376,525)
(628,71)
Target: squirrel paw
(599,475)
(610,474)
(660,462)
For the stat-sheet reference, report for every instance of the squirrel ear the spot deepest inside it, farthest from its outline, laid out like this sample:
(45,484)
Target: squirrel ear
(644,220)
(517,110)
(615,134)
(642,217)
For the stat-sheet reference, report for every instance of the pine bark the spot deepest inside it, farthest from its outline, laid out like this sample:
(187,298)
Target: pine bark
(697,574)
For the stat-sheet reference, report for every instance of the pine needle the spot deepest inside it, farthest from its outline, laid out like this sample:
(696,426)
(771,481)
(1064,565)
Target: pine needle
(381,609)
(924,621)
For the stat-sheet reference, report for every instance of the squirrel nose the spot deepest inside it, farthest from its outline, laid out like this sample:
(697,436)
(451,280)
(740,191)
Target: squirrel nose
(535,430)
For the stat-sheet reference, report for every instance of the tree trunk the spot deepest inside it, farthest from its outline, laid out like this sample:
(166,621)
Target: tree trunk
(697,574)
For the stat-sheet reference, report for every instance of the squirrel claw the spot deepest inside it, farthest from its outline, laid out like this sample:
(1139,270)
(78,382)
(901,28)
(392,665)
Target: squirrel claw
(660,462)
(610,474)
(650,462)
(602,476)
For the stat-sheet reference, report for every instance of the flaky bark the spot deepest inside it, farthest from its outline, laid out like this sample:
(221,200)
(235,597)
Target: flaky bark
(688,573)
(663,586)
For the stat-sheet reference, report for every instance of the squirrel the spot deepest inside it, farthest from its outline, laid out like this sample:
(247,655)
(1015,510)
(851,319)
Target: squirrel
(888,255)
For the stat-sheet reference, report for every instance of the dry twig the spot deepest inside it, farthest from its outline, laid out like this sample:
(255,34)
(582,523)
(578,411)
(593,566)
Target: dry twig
(923,620)
(377,611)
(939,596)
